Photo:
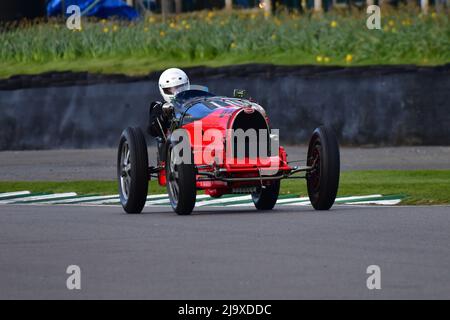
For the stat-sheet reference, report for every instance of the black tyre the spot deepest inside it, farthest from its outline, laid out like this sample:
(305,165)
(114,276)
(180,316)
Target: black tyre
(181,184)
(266,198)
(323,179)
(132,170)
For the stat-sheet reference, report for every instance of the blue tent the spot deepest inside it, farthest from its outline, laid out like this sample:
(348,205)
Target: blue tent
(97,8)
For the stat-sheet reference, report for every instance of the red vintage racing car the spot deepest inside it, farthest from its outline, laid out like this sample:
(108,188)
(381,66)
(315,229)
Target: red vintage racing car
(199,148)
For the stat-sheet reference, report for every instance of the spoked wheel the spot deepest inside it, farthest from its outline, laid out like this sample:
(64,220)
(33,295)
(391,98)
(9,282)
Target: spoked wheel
(266,198)
(132,170)
(181,184)
(323,179)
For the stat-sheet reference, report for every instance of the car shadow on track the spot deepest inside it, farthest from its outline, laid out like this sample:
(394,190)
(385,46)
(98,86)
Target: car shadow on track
(286,209)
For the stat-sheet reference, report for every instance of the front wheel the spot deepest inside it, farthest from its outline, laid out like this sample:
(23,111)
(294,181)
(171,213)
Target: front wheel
(323,179)
(132,170)
(266,198)
(181,183)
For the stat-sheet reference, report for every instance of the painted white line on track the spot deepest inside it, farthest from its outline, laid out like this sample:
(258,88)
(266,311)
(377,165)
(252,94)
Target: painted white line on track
(359,197)
(290,200)
(382,202)
(106,201)
(81,199)
(161,201)
(341,199)
(13,194)
(42,197)
(155,196)
(279,202)
(248,204)
(223,201)
(25,197)
(116,198)
(167,201)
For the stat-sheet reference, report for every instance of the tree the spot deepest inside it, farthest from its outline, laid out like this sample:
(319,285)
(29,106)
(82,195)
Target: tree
(165,8)
(178,6)
(267,6)
(424,5)
(228,4)
(318,5)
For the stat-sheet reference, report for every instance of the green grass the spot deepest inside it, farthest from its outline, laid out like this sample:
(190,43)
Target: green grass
(419,186)
(218,38)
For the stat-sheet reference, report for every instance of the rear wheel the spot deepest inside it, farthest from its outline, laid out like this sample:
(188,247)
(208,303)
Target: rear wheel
(266,198)
(132,170)
(181,184)
(323,179)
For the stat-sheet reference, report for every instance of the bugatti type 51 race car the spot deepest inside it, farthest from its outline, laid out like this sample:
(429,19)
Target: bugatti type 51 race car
(199,148)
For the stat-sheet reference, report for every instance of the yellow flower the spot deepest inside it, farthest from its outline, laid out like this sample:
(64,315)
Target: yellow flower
(187,27)
(274,37)
(386,28)
(433,15)
(115,28)
(210,14)
(333,24)
(319,59)
(348,58)
(103,21)
(145,29)
(233,45)
(406,22)
(391,23)
(162,33)
(105,30)
(252,16)
(326,59)
(151,19)
(183,22)
(172,25)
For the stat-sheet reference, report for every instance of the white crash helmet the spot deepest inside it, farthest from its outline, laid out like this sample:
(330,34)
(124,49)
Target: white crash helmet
(171,82)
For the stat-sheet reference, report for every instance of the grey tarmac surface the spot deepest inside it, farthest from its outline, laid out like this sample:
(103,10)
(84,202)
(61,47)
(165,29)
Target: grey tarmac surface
(100,164)
(289,253)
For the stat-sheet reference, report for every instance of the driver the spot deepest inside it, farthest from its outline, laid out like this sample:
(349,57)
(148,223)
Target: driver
(171,82)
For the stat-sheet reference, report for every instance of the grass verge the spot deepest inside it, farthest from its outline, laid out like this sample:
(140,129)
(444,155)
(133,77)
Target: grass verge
(217,38)
(419,186)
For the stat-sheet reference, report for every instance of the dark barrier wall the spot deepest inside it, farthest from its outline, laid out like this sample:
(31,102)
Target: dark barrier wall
(19,9)
(365,106)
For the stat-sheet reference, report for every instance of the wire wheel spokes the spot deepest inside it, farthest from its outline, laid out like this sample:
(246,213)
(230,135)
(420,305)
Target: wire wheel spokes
(125,174)
(314,162)
(173,176)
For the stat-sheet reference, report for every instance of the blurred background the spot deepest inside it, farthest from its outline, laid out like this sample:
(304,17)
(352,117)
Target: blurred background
(308,62)
(38,8)
(67,94)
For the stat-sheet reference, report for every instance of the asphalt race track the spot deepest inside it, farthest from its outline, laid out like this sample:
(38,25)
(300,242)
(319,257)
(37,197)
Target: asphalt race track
(100,164)
(292,252)
(288,253)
